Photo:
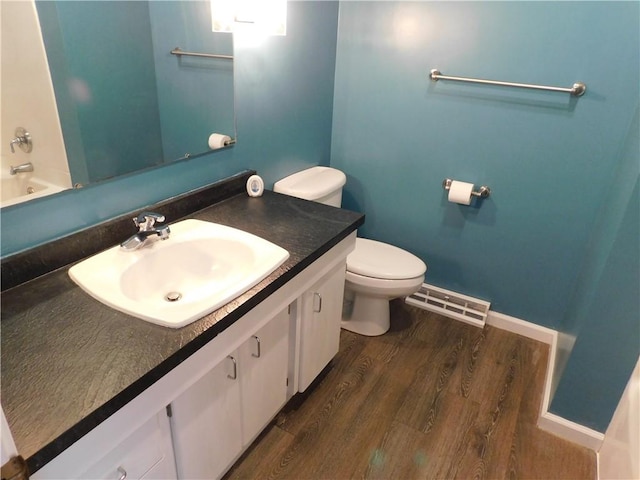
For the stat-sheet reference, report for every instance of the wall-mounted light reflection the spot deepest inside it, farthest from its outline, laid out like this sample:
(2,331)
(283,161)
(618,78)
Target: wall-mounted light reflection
(264,17)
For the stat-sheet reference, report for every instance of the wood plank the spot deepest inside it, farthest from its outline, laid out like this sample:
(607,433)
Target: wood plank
(470,356)
(486,453)
(424,398)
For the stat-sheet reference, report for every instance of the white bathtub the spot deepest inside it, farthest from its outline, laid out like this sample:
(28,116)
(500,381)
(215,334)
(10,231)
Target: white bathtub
(20,188)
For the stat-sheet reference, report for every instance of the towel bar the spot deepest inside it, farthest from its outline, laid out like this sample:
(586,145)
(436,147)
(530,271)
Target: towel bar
(577,90)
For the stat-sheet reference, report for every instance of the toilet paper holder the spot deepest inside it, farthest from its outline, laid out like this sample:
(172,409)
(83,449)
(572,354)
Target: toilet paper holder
(483,192)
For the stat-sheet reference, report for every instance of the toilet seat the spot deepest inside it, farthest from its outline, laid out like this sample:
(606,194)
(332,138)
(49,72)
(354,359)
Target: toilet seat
(382,287)
(379,260)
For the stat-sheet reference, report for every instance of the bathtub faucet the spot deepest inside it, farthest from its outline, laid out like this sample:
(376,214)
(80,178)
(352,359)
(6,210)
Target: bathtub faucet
(146,228)
(25,167)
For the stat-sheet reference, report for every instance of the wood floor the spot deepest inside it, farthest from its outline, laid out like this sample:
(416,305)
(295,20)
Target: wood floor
(433,398)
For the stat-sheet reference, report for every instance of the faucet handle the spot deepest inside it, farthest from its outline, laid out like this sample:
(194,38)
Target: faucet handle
(23,140)
(146,220)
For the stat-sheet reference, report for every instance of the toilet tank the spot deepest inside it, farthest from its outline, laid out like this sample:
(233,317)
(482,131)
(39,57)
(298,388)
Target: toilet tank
(319,184)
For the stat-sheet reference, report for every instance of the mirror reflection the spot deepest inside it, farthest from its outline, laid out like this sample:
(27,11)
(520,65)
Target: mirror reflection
(96,87)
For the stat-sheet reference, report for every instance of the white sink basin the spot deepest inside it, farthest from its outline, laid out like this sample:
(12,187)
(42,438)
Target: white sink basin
(173,282)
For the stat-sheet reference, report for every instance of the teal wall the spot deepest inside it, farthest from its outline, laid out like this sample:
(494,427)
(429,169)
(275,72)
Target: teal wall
(101,57)
(550,160)
(558,237)
(284,92)
(604,314)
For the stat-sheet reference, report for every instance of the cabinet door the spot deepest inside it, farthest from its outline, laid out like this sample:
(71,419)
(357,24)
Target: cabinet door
(147,453)
(320,325)
(206,423)
(264,363)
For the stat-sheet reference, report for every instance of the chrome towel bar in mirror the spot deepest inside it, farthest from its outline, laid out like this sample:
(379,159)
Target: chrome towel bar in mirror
(178,51)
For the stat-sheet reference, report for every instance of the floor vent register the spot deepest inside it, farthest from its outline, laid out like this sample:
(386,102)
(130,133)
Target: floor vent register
(450,304)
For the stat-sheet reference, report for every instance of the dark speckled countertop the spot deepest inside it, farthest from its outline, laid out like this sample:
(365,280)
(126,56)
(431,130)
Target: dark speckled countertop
(69,362)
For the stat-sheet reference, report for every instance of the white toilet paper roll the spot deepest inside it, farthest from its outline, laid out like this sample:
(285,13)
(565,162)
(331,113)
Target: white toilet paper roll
(218,140)
(460,192)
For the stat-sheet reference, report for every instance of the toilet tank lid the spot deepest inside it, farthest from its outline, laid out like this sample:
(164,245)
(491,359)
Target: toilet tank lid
(312,183)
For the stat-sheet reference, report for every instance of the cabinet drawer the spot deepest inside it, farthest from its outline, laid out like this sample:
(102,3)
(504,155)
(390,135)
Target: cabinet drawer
(147,453)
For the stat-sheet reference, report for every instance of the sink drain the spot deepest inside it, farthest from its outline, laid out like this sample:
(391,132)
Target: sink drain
(173,296)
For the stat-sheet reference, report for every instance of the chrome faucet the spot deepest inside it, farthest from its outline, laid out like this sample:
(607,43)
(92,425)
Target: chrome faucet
(25,167)
(146,223)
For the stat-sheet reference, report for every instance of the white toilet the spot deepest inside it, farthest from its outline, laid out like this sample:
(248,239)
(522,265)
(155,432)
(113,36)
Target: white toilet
(376,272)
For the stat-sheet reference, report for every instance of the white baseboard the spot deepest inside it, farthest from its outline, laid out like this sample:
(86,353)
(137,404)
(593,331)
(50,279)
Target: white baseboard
(548,421)
(522,327)
(574,432)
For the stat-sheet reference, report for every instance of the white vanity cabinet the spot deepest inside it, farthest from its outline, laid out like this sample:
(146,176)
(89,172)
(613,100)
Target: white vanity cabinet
(321,315)
(226,392)
(226,409)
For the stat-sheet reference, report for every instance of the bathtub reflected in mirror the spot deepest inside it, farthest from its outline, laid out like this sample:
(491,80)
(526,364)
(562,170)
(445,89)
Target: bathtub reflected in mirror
(28,107)
(73,76)
(23,187)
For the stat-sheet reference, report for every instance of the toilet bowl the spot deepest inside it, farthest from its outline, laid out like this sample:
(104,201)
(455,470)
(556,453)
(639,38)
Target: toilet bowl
(376,272)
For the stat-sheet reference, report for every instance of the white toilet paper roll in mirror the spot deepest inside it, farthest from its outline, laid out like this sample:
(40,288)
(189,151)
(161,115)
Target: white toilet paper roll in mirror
(217,140)
(460,192)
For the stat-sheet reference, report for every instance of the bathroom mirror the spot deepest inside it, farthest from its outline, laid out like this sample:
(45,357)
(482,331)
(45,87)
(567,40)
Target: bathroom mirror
(124,101)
